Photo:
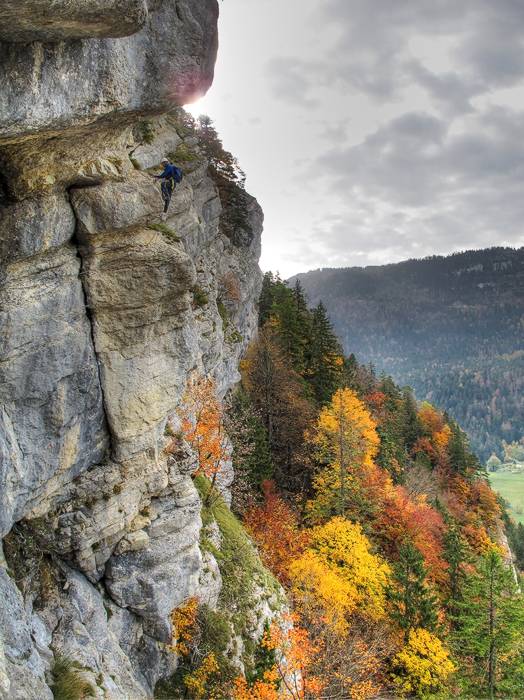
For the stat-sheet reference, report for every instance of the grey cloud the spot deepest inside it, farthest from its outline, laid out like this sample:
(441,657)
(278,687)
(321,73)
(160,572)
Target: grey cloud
(428,188)
(453,91)
(394,163)
(291,80)
(371,53)
(334,132)
(445,175)
(489,37)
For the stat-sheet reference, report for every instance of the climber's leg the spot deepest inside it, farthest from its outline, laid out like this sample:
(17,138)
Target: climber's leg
(167,191)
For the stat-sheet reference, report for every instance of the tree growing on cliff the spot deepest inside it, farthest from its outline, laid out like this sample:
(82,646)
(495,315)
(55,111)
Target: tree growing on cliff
(220,160)
(202,424)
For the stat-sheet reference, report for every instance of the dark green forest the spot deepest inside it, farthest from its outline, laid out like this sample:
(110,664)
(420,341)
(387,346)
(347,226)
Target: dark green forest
(451,327)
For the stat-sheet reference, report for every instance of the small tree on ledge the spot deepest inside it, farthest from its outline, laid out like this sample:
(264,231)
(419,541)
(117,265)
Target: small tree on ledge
(202,417)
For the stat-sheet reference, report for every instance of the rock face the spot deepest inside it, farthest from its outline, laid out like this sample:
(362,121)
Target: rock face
(106,312)
(46,87)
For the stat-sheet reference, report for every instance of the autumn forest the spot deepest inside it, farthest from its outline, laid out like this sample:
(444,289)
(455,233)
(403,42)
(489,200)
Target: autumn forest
(373,514)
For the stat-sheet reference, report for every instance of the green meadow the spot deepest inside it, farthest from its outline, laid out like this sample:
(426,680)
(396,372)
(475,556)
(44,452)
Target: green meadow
(511,487)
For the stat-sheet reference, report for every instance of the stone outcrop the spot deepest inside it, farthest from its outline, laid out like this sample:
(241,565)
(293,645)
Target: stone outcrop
(46,88)
(106,312)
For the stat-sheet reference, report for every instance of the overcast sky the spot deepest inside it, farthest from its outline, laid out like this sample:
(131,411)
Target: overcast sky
(374,130)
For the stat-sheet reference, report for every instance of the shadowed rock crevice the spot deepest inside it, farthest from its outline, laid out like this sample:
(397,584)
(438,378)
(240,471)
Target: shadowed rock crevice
(89,317)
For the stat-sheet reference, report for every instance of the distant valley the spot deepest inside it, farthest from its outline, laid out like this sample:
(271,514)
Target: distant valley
(451,327)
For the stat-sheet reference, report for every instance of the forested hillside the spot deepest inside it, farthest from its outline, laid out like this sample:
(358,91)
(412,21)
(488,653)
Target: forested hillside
(378,520)
(450,327)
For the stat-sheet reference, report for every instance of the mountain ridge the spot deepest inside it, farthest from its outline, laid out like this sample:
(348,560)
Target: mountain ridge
(434,323)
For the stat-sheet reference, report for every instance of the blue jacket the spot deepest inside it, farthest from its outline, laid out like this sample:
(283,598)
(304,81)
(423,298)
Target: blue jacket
(169,172)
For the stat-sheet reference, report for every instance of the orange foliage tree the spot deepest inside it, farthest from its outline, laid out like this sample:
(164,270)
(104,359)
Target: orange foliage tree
(290,677)
(202,418)
(274,526)
(184,621)
(437,434)
(475,506)
(401,517)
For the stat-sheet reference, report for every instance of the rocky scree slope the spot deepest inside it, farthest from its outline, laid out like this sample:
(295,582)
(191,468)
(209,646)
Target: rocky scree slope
(104,316)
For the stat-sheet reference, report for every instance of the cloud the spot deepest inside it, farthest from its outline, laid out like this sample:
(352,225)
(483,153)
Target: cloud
(291,80)
(372,50)
(450,90)
(386,125)
(414,185)
(394,163)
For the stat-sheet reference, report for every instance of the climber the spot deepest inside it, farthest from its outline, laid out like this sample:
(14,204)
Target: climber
(170,177)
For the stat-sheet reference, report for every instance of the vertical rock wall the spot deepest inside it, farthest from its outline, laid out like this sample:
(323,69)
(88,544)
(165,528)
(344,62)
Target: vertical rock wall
(105,313)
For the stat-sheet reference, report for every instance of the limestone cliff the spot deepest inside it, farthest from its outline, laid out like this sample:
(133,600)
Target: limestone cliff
(105,313)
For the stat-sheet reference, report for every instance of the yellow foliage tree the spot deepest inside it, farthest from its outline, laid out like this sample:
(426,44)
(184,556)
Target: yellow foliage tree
(197,681)
(423,666)
(338,575)
(346,438)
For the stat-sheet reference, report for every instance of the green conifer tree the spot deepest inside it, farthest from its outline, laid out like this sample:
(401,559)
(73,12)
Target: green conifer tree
(412,428)
(325,362)
(455,555)
(251,453)
(265,302)
(489,631)
(413,605)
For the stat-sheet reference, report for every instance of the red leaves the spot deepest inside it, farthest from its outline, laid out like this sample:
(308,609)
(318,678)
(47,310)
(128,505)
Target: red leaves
(274,527)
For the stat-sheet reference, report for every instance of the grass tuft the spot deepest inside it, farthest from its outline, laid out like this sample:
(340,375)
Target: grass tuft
(224,314)
(69,682)
(146,132)
(165,231)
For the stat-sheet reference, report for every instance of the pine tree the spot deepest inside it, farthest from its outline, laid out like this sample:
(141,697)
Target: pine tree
(350,373)
(222,162)
(489,634)
(412,603)
(412,428)
(265,302)
(302,329)
(457,450)
(278,395)
(289,321)
(455,555)
(251,454)
(325,365)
